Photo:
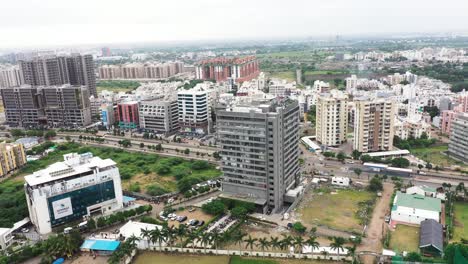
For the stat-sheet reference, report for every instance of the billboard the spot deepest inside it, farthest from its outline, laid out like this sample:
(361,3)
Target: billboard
(62,208)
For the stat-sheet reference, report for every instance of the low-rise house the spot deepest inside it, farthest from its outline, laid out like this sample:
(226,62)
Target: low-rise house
(426,191)
(415,208)
(431,238)
(340,181)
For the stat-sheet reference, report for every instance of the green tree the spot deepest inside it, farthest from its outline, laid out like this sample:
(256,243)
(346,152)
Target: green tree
(357,171)
(187,151)
(341,156)
(50,134)
(215,207)
(250,242)
(264,244)
(375,184)
(337,244)
(356,154)
(400,162)
(299,227)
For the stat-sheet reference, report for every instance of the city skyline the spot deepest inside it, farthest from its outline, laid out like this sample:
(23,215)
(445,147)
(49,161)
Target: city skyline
(177,21)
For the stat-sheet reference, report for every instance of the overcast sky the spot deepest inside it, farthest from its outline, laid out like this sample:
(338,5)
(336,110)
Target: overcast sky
(64,22)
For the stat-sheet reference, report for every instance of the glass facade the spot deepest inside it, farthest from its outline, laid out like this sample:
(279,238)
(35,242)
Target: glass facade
(80,200)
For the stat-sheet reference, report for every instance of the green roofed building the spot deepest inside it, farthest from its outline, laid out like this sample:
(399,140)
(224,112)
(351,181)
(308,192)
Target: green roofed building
(415,208)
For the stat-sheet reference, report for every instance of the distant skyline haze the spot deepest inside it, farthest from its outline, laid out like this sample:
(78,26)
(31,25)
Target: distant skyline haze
(43,23)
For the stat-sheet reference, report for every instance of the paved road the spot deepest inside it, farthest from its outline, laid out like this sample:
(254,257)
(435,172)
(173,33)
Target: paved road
(166,151)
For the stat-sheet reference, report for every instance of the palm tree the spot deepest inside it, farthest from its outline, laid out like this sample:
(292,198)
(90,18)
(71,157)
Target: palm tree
(238,239)
(205,240)
(227,236)
(181,232)
(170,235)
(159,235)
(275,242)
(352,252)
(264,244)
(286,242)
(216,238)
(146,234)
(132,244)
(312,242)
(337,244)
(191,238)
(250,243)
(298,243)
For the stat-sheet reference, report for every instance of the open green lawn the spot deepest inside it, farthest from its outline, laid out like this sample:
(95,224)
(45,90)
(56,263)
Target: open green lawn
(434,155)
(461,221)
(405,238)
(140,169)
(337,211)
(287,75)
(117,85)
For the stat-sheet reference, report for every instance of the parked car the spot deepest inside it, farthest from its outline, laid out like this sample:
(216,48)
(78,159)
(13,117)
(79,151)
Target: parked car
(181,218)
(24,230)
(201,223)
(387,219)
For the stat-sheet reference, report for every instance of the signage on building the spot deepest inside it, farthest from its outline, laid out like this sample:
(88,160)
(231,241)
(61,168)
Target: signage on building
(62,208)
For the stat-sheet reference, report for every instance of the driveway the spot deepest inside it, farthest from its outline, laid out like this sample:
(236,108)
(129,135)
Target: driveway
(373,241)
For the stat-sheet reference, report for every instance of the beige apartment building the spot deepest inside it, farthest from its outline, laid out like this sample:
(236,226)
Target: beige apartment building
(332,118)
(12,156)
(374,125)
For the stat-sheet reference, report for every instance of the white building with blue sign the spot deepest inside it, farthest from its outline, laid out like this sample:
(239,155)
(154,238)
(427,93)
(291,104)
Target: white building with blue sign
(80,186)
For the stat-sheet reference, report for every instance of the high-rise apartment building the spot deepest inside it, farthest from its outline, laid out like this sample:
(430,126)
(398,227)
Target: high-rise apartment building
(10,76)
(221,68)
(66,106)
(23,106)
(194,107)
(259,151)
(75,69)
(71,190)
(332,118)
(458,146)
(47,106)
(127,115)
(159,115)
(81,71)
(12,157)
(141,70)
(374,125)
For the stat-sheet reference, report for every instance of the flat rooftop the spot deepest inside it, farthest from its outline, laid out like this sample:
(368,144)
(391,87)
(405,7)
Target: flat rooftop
(389,153)
(73,164)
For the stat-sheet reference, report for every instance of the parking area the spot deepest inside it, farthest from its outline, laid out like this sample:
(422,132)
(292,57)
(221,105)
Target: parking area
(191,214)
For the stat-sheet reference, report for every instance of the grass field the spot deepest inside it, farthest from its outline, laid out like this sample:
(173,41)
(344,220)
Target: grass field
(461,221)
(336,211)
(287,75)
(117,86)
(160,258)
(140,169)
(434,156)
(405,238)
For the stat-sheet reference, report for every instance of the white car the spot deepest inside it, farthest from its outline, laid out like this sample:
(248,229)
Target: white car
(24,230)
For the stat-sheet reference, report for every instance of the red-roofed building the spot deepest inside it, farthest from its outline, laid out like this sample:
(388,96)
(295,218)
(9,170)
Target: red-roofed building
(221,68)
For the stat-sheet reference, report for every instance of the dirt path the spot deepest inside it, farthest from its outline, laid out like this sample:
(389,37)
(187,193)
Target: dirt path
(373,241)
